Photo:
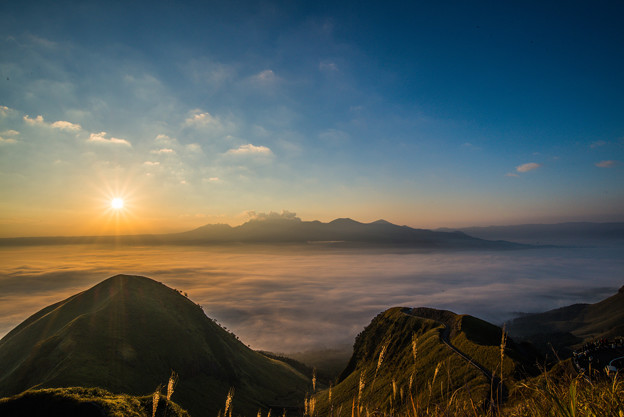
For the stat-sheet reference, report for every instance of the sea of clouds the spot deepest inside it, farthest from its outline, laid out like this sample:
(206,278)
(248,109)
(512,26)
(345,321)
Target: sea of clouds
(293,299)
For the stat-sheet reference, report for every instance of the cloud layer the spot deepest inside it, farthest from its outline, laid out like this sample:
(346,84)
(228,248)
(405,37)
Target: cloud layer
(289,299)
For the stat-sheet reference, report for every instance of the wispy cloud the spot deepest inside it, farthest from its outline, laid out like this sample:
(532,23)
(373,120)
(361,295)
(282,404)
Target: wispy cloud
(528,167)
(163,151)
(10,133)
(606,164)
(598,144)
(328,66)
(511,174)
(250,149)
(100,138)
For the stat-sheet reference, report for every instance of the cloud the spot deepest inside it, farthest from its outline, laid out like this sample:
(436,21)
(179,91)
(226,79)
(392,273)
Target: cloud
(606,164)
(194,147)
(334,136)
(328,66)
(528,167)
(8,140)
(164,139)
(151,163)
(164,151)
(598,144)
(265,76)
(250,149)
(200,119)
(4,110)
(100,138)
(36,121)
(10,133)
(284,215)
(63,125)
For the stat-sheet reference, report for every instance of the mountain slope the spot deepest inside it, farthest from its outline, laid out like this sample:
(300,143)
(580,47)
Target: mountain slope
(427,356)
(84,402)
(568,327)
(126,335)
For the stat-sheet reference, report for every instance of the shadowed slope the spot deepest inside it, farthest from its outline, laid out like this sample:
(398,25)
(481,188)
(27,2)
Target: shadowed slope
(84,402)
(126,334)
(401,356)
(571,326)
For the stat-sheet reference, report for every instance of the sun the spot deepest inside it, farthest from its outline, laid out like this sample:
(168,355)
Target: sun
(117,203)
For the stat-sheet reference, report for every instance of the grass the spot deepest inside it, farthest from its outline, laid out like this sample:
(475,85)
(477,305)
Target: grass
(85,402)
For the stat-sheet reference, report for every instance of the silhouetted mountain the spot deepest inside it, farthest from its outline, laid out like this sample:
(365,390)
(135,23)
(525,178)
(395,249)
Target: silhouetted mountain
(292,230)
(417,356)
(339,232)
(127,334)
(569,327)
(560,233)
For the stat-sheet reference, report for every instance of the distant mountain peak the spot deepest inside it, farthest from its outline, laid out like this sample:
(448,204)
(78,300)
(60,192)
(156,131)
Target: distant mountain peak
(382,221)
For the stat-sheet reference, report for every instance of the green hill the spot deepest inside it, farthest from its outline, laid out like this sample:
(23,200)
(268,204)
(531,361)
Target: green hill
(401,362)
(127,334)
(569,327)
(85,402)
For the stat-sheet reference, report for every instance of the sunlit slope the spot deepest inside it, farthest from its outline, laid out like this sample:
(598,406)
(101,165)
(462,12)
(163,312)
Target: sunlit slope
(573,325)
(416,365)
(85,402)
(126,335)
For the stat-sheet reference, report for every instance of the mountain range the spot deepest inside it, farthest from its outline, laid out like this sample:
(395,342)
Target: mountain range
(579,233)
(337,233)
(569,327)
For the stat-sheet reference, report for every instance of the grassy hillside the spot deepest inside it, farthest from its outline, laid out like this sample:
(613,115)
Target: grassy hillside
(401,364)
(568,327)
(85,402)
(127,334)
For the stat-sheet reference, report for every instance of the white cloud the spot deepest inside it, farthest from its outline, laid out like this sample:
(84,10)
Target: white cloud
(63,125)
(527,167)
(164,151)
(250,149)
(214,179)
(151,163)
(100,138)
(36,121)
(598,144)
(606,164)
(8,140)
(4,110)
(203,119)
(10,133)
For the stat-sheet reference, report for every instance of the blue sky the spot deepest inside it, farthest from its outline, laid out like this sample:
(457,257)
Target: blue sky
(426,114)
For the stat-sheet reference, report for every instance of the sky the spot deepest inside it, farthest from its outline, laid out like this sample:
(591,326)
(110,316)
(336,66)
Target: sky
(428,114)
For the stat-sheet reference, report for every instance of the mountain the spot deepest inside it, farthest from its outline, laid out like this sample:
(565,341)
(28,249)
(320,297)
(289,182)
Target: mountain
(551,234)
(339,232)
(408,358)
(292,230)
(569,327)
(127,334)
